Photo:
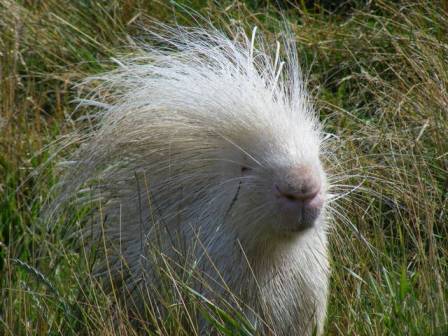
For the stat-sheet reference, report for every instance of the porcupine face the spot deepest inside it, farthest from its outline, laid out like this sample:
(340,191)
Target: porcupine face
(276,182)
(258,176)
(250,166)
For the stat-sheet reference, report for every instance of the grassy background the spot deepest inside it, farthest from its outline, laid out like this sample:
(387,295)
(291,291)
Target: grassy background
(379,72)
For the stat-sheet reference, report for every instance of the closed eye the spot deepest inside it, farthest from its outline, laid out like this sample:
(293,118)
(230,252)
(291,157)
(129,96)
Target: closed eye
(245,169)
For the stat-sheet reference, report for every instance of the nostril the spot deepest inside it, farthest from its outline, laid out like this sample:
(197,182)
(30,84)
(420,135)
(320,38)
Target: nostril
(309,195)
(290,197)
(305,194)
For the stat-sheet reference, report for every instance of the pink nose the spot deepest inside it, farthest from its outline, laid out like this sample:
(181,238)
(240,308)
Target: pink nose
(304,195)
(300,196)
(300,185)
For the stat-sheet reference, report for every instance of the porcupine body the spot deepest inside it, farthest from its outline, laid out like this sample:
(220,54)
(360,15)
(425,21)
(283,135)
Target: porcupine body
(207,150)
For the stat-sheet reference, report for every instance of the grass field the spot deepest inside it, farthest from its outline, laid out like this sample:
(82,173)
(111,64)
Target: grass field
(379,74)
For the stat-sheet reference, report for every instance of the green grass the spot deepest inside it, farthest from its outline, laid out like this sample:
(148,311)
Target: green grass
(379,73)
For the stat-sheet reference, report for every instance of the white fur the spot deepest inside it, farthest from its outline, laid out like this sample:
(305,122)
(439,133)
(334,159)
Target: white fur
(174,128)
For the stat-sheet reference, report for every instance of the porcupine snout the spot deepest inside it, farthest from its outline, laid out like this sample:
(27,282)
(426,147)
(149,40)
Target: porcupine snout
(299,193)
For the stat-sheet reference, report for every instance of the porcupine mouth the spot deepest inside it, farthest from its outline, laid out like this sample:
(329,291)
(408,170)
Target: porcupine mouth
(293,217)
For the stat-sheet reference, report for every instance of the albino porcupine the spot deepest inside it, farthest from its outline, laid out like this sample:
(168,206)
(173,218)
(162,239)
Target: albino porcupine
(207,150)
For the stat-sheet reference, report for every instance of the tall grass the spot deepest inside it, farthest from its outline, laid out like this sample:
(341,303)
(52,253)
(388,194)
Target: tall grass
(379,72)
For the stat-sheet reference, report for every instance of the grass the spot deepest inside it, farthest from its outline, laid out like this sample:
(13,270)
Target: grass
(379,73)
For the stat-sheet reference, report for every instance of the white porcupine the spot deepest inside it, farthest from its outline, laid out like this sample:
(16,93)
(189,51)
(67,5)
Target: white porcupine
(210,147)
